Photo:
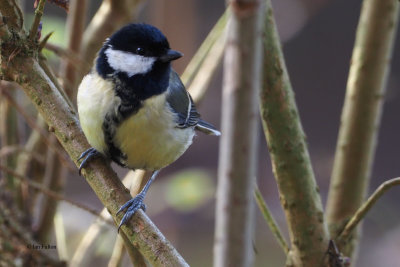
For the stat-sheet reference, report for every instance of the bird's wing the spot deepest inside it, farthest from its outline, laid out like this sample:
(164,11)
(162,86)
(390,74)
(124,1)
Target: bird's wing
(182,103)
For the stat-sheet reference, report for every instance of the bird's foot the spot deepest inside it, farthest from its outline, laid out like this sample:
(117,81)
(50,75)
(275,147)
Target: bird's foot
(131,207)
(86,156)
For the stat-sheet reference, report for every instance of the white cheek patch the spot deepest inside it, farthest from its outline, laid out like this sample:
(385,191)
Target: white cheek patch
(129,63)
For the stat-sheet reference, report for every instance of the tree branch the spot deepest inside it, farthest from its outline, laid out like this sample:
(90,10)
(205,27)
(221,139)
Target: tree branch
(36,21)
(362,211)
(361,114)
(291,162)
(197,60)
(237,159)
(273,226)
(75,27)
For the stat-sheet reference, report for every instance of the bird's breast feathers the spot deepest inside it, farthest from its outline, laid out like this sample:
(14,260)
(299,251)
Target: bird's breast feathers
(149,138)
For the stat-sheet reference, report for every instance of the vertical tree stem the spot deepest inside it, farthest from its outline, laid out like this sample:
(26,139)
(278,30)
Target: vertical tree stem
(9,134)
(75,27)
(289,155)
(237,161)
(36,20)
(361,113)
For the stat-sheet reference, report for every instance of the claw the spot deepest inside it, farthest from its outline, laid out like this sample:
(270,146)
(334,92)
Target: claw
(87,155)
(143,207)
(125,206)
(132,206)
(135,203)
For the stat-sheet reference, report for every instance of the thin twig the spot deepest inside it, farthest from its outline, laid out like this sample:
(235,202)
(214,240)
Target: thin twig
(362,211)
(68,55)
(75,26)
(30,121)
(269,219)
(24,161)
(117,253)
(7,150)
(50,74)
(44,41)
(53,179)
(38,16)
(204,73)
(59,231)
(52,194)
(9,133)
(82,252)
(198,58)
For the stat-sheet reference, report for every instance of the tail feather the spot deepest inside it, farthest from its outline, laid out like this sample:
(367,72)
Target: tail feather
(207,128)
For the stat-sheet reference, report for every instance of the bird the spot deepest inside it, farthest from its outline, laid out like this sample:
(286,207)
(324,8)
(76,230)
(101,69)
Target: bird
(134,109)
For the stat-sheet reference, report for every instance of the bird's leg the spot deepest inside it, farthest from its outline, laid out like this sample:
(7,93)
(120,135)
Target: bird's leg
(88,154)
(136,203)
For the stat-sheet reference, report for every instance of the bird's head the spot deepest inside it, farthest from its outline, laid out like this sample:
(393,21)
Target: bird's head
(135,49)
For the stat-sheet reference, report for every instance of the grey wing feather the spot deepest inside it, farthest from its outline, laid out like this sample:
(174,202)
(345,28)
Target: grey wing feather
(182,103)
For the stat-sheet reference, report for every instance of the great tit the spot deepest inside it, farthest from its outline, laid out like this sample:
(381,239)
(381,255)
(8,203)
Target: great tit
(133,107)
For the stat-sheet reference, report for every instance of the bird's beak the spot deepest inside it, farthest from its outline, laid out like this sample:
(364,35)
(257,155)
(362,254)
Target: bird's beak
(170,55)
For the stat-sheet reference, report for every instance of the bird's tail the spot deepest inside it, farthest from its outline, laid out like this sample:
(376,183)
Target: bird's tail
(207,128)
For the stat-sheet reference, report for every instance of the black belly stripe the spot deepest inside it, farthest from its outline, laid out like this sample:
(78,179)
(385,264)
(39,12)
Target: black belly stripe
(111,122)
(131,101)
(109,127)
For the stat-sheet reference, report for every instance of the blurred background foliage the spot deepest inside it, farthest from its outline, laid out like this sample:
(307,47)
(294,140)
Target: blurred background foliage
(318,36)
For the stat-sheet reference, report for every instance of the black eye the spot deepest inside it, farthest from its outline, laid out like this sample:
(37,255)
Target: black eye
(139,51)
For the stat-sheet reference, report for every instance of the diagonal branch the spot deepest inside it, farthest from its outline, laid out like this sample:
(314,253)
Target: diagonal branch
(362,211)
(273,226)
(291,162)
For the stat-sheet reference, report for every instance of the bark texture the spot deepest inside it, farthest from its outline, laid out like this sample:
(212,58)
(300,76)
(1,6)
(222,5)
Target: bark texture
(237,162)
(298,191)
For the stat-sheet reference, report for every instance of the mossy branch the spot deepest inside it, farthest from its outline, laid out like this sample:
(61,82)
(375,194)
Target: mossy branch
(291,163)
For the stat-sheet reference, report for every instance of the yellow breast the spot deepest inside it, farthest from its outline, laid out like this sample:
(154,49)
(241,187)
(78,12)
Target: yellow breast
(150,139)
